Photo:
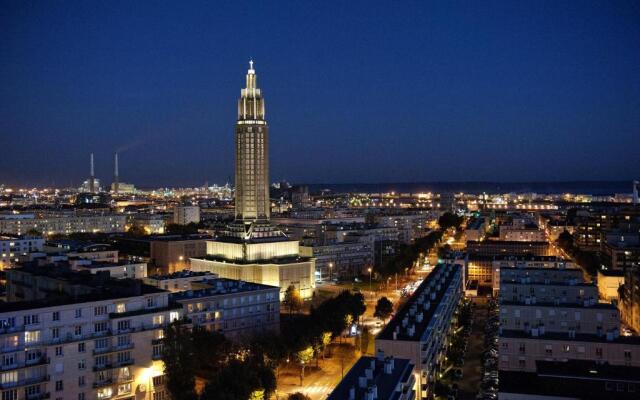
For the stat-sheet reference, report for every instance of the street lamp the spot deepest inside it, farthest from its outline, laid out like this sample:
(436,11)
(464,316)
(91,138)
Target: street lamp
(370,290)
(330,268)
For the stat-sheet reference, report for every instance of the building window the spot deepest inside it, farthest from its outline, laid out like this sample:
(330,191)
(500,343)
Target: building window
(78,330)
(157,351)
(81,364)
(81,380)
(78,312)
(81,347)
(100,310)
(81,396)
(59,351)
(59,386)
(124,325)
(56,315)
(10,394)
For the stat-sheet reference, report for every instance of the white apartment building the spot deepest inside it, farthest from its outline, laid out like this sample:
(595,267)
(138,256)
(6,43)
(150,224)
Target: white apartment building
(93,347)
(237,309)
(419,331)
(64,223)
(13,247)
(184,215)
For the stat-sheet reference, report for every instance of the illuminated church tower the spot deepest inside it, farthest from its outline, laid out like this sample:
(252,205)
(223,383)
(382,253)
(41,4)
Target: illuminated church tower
(251,249)
(253,206)
(252,162)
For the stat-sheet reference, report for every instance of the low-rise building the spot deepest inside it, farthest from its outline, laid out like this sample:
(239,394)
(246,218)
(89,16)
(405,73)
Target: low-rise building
(377,377)
(118,270)
(419,330)
(101,252)
(171,253)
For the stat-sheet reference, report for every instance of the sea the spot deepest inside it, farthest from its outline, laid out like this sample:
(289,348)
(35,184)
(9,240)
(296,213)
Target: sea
(596,188)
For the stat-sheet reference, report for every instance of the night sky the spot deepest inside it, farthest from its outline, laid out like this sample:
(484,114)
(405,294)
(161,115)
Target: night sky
(355,91)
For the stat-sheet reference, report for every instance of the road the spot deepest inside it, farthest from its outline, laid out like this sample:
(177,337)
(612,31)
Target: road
(318,382)
(472,368)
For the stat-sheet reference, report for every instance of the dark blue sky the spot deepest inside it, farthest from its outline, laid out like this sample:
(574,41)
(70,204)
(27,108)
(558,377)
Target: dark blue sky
(355,91)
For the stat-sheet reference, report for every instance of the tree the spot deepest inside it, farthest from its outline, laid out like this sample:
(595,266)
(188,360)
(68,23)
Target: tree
(449,220)
(136,230)
(384,309)
(365,339)
(292,299)
(177,229)
(326,341)
(240,380)
(179,362)
(304,356)
(34,232)
(298,396)
(565,241)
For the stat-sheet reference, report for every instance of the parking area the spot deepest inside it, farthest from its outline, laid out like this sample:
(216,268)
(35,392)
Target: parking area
(489,356)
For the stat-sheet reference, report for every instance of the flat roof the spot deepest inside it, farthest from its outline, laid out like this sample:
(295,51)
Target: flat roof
(220,286)
(385,383)
(396,321)
(181,274)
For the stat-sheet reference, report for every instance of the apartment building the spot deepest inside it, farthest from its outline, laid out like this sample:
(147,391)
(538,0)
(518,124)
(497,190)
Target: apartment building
(183,215)
(12,247)
(419,331)
(630,298)
(346,259)
(525,274)
(239,310)
(104,344)
(64,223)
(377,377)
(504,247)
(569,326)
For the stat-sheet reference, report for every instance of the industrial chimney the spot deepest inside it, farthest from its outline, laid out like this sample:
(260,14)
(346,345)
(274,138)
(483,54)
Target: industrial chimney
(92,178)
(116,180)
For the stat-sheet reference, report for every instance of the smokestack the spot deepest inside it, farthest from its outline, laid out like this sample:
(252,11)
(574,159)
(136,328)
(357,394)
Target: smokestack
(92,178)
(116,180)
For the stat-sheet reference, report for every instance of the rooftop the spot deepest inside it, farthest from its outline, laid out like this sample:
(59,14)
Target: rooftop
(374,373)
(419,309)
(181,274)
(220,286)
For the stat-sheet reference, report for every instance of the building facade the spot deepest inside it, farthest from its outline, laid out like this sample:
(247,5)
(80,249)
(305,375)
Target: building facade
(419,331)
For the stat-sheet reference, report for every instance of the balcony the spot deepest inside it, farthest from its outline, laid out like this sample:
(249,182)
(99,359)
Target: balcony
(113,349)
(24,382)
(112,365)
(103,383)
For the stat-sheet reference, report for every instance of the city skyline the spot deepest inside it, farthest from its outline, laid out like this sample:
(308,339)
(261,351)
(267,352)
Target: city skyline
(550,97)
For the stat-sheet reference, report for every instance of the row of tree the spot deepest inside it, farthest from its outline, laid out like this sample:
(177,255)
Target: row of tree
(250,371)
